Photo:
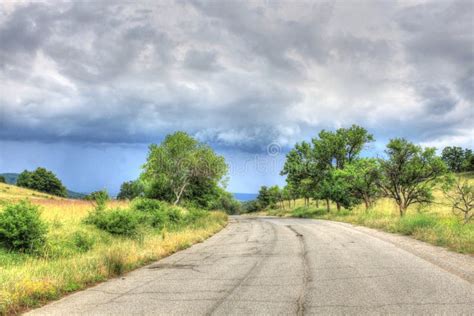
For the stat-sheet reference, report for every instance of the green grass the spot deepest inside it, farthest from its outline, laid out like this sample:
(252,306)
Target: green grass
(77,255)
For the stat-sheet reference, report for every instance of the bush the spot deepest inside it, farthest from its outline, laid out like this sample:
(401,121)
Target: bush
(116,221)
(148,205)
(195,214)
(98,196)
(174,214)
(82,241)
(21,227)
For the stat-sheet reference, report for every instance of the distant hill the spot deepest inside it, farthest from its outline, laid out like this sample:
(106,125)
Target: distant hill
(12,177)
(242,197)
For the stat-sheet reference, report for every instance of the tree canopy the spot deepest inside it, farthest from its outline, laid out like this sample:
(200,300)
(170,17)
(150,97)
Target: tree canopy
(42,180)
(179,166)
(409,173)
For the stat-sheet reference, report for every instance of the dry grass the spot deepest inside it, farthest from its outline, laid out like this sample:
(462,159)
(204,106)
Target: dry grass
(10,193)
(78,255)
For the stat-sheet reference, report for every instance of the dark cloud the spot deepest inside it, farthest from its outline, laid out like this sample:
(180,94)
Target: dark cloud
(236,74)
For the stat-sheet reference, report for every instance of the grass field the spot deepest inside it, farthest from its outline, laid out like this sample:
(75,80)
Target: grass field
(434,223)
(78,255)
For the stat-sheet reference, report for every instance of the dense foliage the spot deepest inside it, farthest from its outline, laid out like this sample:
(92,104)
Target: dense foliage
(130,190)
(458,159)
(181,168)
(2,179)
(410,173)
(41,180)
(330,168)
(21,227)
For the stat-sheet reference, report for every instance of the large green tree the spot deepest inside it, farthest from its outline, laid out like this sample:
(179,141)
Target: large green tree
(331,152)
(179,162)
(41,180)
(410,173)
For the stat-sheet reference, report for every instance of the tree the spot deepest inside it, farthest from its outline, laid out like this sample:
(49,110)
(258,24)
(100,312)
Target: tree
(226,202)
(461,195)
(454,157)
(264,198)
(2,179)
(410,173)
(361,177)
(41,180)
(176,163)
(332,151)
(130,190)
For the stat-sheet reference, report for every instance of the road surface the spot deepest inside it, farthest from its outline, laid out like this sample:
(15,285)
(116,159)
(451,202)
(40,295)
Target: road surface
(276,266)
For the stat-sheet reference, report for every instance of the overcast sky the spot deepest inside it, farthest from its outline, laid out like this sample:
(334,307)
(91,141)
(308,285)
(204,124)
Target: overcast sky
(86,86)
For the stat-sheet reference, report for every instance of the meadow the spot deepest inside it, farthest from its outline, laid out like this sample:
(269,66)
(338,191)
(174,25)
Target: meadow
(77,255)
(434,223)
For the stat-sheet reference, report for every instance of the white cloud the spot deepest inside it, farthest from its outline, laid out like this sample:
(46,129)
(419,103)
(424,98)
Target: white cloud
(237,74)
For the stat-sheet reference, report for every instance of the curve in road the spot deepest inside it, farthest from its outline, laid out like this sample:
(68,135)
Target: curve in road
(272,266)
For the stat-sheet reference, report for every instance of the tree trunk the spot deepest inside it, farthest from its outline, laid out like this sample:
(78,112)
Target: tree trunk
(338,206)
(366,204)
(317,203)
(327,205)
(402,209)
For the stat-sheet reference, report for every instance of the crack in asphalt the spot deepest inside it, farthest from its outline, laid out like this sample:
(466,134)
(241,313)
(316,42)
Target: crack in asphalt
(306,273)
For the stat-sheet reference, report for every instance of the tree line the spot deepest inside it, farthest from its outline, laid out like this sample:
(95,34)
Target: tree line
(330,168)
(179,170)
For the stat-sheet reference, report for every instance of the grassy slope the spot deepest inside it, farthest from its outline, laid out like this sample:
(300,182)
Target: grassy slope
(11,193)
(435,224)
(12,177)
(66,263)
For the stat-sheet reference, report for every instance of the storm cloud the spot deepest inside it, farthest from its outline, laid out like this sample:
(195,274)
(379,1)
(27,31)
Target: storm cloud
(236,74)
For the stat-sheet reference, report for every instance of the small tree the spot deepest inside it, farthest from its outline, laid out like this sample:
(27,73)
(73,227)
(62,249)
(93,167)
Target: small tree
(130,190)
(2,179)
(410,173)
(362,177)
(41,180)
(461,195)
(264,197)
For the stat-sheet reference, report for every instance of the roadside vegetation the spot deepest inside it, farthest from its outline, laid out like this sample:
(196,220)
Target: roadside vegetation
(410,190)
(50,245)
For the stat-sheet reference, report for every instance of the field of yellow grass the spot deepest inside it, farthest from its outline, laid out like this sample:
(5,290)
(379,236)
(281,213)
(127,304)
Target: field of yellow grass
(78,255)
(434,223)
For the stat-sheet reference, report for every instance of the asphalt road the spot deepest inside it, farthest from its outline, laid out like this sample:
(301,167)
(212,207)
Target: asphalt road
(288,266)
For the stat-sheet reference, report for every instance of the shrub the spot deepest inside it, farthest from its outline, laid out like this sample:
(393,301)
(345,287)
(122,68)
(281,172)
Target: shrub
(82,241)
(98,196)
(148,205)
(21,227)
(195,214)
(174,215)
(116,221)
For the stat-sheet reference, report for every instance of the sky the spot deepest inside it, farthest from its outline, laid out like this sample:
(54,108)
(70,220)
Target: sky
(86,86)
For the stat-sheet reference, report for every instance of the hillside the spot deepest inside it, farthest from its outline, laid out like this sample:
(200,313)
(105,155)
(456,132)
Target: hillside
(12,177)
(9,192)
